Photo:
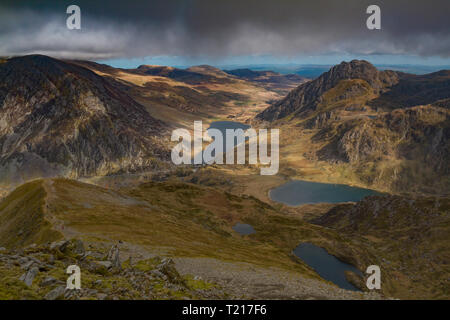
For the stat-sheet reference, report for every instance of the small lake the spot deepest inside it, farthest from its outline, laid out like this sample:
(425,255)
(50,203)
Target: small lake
(298,192)
(243,229)
(224,125)
(326,265)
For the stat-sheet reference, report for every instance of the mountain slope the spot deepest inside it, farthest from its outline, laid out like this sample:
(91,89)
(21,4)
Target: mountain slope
(385,90)
(180,96)
(379,129)
(409,236)
(190,223)
(412,90)
(22,217)
(305,99)
(57,118)
(405,150)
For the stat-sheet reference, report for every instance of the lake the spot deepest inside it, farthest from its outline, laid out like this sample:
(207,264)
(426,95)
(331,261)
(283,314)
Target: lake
(298,192)
(224,125)
(243,229)
(326,265)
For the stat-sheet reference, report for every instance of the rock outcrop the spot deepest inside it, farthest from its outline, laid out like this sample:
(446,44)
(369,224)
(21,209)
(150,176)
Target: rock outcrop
(155,278)
(408,149)
(58,118)
(381,90)
(305,99)
(389,130)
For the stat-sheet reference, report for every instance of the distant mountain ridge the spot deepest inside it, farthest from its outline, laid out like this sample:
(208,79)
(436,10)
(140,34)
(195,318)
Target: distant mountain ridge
(191,76)
(268,78)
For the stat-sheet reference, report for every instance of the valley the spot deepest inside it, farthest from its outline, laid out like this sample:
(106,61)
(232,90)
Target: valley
(85,155)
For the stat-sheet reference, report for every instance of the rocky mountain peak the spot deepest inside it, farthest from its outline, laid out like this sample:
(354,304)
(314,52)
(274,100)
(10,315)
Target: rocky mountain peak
(355,69)
(307,96)
(59,118)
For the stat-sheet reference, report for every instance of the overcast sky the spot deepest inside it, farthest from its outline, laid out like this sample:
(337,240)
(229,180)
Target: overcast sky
(221,30)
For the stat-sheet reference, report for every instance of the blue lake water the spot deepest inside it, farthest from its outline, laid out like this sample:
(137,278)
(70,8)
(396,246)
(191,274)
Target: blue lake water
(243,229)
(326,265)
(224,125)
(298,192)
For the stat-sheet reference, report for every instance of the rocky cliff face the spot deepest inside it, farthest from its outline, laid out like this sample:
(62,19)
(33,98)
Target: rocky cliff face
(308,96)
(412,90)
(57,118)
(404,149)
(387,90)
(390,130)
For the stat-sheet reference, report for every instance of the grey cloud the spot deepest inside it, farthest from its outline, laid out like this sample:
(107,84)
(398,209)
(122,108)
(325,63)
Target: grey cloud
(218,28)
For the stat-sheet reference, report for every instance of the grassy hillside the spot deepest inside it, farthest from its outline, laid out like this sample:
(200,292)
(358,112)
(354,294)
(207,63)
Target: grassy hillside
(22,217)
(409,236)
(184,220)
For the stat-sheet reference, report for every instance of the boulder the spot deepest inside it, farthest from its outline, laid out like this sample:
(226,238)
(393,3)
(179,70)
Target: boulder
(113,257)
(56,293)
(49,281)
(106,264)
(29,276)
(167,267)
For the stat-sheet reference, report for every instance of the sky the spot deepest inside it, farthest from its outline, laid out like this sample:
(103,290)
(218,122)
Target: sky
(229,32)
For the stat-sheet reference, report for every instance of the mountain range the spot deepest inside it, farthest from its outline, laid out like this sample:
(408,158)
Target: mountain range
(85,154)
(388,129)
(80,118)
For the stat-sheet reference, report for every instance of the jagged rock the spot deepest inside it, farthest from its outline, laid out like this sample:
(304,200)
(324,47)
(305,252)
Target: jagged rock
(22,260)
(27,265)
(101,296)
(95,254)
(29,276)
(167,267)
(79,247)
(49,281)
(106,264)
(305,98)
(113,257)
(56,293)
(158,274)
(68,294)
(97,283)
(56,244)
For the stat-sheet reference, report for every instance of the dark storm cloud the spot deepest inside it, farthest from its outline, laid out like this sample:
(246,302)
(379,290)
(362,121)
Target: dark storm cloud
(217,28)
